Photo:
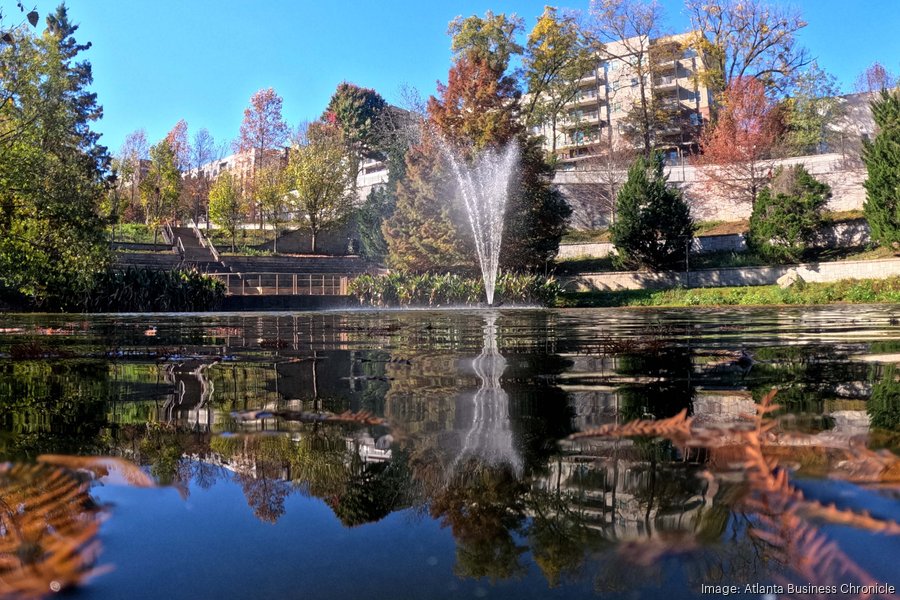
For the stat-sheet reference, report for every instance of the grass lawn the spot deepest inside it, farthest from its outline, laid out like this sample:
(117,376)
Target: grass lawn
(851,291)
(245,238)
(135,233)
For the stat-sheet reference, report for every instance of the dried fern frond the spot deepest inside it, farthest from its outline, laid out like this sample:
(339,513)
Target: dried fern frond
(675,428)
(49,528)
(108,469)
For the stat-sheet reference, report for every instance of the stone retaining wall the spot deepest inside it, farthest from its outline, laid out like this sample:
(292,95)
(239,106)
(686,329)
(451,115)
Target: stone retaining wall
(588,195)
(845,234)
(730,277)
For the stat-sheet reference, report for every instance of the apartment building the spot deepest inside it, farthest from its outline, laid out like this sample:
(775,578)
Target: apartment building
(599,115)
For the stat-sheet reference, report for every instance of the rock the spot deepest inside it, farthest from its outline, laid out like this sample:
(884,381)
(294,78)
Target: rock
(788,279)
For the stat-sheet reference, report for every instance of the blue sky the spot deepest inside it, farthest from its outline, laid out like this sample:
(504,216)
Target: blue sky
(157,62)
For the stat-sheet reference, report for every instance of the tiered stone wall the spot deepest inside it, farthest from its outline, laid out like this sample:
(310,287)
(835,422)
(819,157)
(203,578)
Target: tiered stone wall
(736,276)
(588,195)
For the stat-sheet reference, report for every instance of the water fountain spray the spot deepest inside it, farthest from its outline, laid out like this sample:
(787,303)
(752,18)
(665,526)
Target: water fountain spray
(484,186)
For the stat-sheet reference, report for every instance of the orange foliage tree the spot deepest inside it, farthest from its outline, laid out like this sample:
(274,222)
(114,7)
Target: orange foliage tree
(737,150)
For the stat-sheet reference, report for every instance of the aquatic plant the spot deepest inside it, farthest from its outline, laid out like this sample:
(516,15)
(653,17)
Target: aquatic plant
(449,289)
(150,290)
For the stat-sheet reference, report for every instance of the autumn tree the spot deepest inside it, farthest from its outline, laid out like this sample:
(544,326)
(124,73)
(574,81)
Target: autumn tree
(738,39)
(478,109)
(422,232)
(490,39)
(262,131)
(738,150)
(226,207)
(133,152)
(177,138)
(321,176)
(882,159)
(876,78)
(273,198)
(808,112)
(557,56)
(161,188)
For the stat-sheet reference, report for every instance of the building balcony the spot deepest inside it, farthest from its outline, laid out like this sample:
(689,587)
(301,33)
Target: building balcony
(584,98)
(591,118)
(593,78)
(578,142)
(668,82)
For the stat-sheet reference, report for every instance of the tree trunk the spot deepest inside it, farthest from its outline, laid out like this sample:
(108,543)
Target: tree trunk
(313,240)
(275,239)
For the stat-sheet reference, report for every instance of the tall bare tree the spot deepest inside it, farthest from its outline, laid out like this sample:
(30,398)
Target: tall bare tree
(876,78)
(134,150)
(262,131)
(203,152)
(735,39)
(627,28)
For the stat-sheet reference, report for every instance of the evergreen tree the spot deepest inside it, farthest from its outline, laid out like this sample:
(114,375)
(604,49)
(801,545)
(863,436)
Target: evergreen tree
(882,158)
(420,234)
(654,225)
(787,216)
(53,172)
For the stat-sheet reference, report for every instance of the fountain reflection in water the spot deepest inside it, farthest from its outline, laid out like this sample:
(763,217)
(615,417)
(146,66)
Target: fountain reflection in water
(484,186)
(489,437)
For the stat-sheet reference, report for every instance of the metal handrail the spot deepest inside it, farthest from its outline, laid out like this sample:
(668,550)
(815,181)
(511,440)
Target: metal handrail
(180,247)
(168,234)
(212,250)
(204,242)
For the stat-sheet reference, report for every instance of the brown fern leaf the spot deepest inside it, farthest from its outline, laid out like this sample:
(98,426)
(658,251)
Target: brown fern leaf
(861,520)
(677,428)
(51,544)
(109,469)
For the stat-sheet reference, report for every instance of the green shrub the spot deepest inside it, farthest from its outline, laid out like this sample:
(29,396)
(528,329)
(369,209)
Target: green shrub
(149,290)
(787,215)
(882,158)
(884,404)
(428,289)
(654,225)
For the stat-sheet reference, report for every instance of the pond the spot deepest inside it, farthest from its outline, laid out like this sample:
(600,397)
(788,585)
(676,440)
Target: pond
(451,454)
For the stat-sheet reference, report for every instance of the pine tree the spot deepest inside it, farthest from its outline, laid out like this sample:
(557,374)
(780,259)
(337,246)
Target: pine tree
(882,158)
(654,225)
(53,171)
(787,216)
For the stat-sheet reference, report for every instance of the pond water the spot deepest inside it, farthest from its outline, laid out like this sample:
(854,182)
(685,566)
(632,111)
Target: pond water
(455,473)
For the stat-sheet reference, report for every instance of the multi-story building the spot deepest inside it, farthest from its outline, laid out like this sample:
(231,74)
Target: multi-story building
(602,113)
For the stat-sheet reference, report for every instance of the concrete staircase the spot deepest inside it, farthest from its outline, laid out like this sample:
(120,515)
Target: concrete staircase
(199,256)
(195,254)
